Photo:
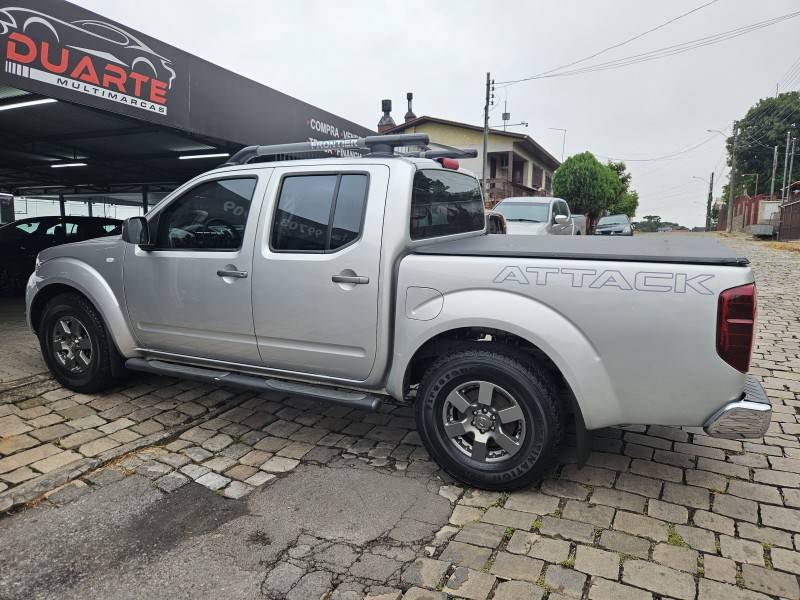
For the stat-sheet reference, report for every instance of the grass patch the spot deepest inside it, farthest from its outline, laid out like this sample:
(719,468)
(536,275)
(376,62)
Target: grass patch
(674,538)
(540,582)
(568,564)
(767,554)
(508,533)
(739,579)
(789,246)
(537,525)
(501,501)
(557,513)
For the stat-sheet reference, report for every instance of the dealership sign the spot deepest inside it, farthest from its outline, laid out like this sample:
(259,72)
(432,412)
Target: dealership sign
(85,56)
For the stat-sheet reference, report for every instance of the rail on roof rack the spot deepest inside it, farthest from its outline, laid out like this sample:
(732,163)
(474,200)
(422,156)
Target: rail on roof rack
(372,145)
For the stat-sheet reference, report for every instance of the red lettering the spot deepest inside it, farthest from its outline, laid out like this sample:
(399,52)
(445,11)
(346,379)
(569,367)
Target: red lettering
(11,49)
(85,71)
(53,68)
(158,91)
(115,75)
(138,81)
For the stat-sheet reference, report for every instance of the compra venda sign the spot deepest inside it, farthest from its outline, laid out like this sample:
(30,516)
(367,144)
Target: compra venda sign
(86,56)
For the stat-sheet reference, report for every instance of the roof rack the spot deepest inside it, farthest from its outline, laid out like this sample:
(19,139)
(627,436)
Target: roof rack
(370,146)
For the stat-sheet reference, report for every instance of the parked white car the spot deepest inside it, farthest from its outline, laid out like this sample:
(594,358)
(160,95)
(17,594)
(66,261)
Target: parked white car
(532,215)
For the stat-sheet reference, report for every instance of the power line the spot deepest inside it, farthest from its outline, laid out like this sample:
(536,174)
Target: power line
(661,52)
(629,40)
(686,149)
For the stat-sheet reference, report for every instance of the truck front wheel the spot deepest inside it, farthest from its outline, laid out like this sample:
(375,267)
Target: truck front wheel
(489,418)
(75,346)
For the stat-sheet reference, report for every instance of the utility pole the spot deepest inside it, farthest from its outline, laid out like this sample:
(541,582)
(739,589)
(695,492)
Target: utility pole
(486,132)
(710,199)
(785,165)
(731,193)
(774,168)
(789,180)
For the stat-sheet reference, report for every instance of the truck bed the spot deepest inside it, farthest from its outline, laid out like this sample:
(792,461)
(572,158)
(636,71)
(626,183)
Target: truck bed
(652,248)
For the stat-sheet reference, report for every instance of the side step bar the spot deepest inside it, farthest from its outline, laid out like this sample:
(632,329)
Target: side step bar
(352,399)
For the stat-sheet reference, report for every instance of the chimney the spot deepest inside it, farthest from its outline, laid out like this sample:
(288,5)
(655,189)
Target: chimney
(386,122)
(410,116)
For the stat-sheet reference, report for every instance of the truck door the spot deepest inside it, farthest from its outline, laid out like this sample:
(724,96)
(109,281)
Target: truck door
(316,269)
(191,293)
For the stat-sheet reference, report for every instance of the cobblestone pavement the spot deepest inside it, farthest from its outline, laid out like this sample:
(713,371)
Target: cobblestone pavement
(19,355)
(342,504)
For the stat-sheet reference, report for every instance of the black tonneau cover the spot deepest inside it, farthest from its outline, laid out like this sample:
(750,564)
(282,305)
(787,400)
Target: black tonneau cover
(693,249)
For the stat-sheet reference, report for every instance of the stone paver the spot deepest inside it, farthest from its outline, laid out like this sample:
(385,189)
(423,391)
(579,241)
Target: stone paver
(657,511)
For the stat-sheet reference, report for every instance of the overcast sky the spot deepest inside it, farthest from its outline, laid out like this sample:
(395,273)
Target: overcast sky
(346,56)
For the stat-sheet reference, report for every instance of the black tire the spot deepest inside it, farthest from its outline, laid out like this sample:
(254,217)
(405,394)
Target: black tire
(531,388)
(98,375)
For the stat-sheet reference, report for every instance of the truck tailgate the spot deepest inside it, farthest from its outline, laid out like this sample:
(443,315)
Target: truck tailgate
(651,248)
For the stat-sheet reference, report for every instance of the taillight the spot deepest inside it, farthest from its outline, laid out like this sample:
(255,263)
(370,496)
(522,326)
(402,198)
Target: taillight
(449,163)
(736,322)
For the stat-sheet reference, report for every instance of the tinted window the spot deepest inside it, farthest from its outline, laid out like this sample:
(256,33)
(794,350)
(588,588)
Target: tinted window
(349,210)
(445,203)
(613,219)
(319,213)
(563,209)
(521,211)
(211,216)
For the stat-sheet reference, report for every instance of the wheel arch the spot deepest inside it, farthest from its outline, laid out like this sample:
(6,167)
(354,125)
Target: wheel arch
(532,327)
(72,276)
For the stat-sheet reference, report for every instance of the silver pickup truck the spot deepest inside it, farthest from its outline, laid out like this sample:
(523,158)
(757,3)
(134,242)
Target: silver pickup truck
(371,277)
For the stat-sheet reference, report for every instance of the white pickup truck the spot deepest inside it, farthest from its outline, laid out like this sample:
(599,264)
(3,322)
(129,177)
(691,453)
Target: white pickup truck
(371,277)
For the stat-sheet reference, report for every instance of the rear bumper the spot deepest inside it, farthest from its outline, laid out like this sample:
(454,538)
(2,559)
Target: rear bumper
(747,417)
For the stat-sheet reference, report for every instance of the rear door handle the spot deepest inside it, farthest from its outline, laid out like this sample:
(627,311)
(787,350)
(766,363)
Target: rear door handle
(357,279)
(234,274)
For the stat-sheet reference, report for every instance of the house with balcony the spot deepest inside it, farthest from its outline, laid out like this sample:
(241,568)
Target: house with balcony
(516,164)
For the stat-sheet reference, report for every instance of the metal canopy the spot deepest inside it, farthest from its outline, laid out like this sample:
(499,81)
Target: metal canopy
(119,152)
(126,105)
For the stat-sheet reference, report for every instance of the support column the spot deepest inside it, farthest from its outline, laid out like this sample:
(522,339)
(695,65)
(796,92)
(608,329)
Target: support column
(61,206)
(144,199)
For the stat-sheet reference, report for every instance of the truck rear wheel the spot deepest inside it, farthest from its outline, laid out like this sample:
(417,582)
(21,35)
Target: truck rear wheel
(489,418)
(74,344)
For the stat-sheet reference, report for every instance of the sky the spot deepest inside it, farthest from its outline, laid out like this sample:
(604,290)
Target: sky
(345,56)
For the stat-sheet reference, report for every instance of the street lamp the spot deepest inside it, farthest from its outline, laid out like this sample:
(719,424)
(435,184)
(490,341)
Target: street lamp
(755,192)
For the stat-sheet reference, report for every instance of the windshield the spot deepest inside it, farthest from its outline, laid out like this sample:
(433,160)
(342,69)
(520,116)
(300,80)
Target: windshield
(524,211)
(613,220)
(445,203)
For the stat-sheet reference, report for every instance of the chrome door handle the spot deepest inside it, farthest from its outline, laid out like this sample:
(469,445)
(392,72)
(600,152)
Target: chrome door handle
(357,279)
(234,274)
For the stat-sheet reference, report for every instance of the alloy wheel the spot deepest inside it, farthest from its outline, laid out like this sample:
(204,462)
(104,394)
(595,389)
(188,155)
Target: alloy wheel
(484,421)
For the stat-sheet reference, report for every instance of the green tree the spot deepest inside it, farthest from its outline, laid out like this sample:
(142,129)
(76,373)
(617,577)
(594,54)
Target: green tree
(760,130)
(588,186)
(626,200)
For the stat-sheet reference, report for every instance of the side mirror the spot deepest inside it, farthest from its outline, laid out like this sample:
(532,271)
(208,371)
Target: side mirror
(135,231)
(561,219)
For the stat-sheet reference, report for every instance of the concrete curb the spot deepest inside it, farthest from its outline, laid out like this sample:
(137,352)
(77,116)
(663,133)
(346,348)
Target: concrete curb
(33,489)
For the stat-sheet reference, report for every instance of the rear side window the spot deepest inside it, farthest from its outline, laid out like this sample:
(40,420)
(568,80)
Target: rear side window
(319,213)
(445,203)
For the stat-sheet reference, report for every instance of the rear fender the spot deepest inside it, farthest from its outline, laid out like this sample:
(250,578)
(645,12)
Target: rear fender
(526,318)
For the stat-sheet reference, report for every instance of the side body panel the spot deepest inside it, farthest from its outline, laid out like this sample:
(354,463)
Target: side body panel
(177,303)
(635,341)
(305,321)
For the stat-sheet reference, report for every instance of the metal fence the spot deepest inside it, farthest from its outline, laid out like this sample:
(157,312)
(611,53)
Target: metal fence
(790,221)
